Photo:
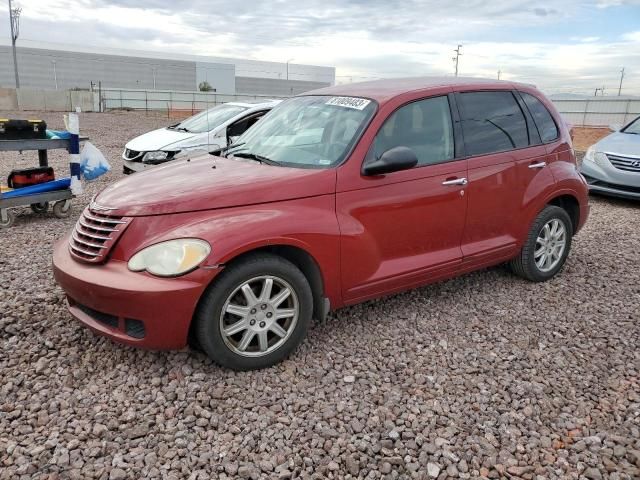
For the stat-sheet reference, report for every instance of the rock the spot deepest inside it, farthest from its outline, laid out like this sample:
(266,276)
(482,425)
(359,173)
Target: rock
(433,470)
(117,474)
(353,465)
(592,474)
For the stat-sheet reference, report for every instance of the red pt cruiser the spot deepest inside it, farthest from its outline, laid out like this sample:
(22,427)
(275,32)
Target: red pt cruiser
(338,196)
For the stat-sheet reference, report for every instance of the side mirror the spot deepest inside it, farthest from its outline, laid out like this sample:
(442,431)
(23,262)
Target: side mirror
(393,160)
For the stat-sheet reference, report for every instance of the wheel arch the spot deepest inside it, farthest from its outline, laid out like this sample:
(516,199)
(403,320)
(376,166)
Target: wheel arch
(569,203)
(295,254)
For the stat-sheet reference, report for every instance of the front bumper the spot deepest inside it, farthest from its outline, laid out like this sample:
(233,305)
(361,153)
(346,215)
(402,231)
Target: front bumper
(133,308)
(609,181)
(136,166)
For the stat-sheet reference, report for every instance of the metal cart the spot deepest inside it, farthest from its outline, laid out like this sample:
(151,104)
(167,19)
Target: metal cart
(38,202)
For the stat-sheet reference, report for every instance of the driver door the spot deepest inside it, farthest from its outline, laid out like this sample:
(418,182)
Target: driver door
(405,228)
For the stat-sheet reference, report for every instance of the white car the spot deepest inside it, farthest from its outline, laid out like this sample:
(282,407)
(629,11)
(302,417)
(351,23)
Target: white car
(207,131)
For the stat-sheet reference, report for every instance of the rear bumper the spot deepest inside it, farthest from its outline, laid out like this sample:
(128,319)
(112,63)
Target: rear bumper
(132,308)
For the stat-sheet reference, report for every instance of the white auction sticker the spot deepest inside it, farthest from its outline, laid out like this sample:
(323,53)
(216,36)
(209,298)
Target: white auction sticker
(349,102)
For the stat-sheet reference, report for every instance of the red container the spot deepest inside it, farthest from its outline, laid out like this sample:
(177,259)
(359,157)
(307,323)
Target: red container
(30,176)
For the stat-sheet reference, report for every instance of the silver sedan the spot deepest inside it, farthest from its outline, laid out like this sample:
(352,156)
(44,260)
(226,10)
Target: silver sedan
(612,166)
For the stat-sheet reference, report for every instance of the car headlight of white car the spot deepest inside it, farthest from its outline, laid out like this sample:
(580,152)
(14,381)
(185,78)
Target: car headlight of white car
(154,156)
(594,156)
(171,258)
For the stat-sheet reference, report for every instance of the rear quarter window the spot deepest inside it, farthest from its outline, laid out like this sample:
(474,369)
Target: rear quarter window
(492,122)
(542,117)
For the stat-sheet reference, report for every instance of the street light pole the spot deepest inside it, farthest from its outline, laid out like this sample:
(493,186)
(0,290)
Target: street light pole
(153,70)
(288,61)
(14,20)
(55,73)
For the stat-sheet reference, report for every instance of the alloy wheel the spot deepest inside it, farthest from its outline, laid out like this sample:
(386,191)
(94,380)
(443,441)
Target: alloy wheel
(550,245)
(259,316)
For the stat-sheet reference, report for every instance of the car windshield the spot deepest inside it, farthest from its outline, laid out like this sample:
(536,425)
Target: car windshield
(209,119)
(307,131)
(633,127)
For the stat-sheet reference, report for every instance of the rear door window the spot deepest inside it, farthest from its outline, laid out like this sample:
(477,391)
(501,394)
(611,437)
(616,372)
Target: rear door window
(541,116)
(492,122)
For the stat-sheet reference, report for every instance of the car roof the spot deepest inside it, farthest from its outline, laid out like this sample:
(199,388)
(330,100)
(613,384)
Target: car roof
(384,90)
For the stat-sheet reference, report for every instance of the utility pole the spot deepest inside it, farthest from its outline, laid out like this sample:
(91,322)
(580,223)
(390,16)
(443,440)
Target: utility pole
(457,57)
(14,20)
(621,77)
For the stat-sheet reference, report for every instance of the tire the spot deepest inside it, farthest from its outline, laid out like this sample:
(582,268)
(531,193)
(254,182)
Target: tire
(40,207)
(528,263)
(256,315)
(62,208)
(7,218)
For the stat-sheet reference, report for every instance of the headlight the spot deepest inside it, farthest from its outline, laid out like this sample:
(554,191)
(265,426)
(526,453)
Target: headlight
(598,157)
(155,156)
(171,258)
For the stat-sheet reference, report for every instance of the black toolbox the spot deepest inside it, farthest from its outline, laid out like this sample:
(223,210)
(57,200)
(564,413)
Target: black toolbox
(30,176)
(14,129)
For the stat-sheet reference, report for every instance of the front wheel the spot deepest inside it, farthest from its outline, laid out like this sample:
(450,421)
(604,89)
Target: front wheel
(255,314)
(546,247)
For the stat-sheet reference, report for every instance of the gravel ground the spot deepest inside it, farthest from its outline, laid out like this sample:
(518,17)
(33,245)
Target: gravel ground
(482,376)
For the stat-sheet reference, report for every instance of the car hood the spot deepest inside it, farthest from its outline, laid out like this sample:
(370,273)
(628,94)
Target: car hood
(158,139)
(620,143)
(208,182)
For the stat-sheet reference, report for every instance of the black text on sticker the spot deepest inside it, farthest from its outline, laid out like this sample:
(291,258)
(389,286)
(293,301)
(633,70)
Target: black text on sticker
(349,102)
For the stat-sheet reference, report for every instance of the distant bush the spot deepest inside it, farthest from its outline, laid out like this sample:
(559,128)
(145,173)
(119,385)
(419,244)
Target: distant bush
(205,87)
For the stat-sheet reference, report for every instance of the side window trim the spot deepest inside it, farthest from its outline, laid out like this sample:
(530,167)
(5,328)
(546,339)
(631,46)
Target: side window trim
(535,137)
(461,111)
(458,152)
(536,124)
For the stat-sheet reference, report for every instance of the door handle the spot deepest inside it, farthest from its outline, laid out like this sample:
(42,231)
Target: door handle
(538,165)
(456,181)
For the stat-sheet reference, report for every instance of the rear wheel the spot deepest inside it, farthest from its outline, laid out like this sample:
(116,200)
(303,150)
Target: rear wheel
(546,247)
(255,314)
(40,207)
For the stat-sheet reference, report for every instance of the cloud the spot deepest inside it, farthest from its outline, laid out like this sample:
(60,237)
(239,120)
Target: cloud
(364,39)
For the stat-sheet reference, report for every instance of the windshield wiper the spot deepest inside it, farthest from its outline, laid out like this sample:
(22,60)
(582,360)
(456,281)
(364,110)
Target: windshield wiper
(256,157)
(228,149)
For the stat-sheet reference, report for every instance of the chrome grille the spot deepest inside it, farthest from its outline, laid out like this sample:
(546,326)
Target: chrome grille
(628,164)
(95,234)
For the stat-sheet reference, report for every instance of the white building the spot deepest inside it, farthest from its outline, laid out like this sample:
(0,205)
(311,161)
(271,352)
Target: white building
(57,66)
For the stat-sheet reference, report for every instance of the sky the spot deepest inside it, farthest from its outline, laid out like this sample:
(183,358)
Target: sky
(571,46)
